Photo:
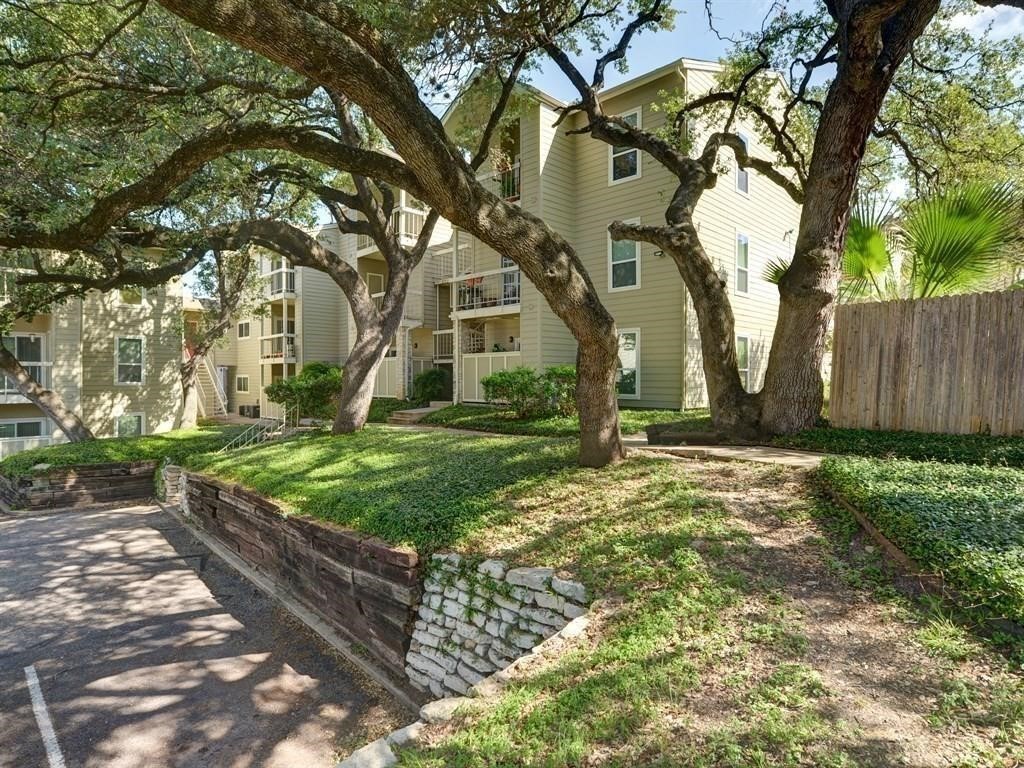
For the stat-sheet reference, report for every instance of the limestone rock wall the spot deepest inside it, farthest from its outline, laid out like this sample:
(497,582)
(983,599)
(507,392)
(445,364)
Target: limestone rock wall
(478,617)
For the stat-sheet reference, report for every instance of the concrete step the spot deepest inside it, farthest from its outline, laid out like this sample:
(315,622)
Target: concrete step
(440,403)
(410,416)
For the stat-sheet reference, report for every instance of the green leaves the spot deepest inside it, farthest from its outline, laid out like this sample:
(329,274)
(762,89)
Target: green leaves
(964,522)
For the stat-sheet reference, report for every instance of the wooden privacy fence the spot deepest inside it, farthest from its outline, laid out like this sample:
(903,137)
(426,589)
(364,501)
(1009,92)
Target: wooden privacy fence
(952,364)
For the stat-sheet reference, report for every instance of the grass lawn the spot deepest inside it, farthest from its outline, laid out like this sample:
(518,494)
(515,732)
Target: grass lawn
(487,418)
(427,489)
(965,522)
(382,407)
(176,445)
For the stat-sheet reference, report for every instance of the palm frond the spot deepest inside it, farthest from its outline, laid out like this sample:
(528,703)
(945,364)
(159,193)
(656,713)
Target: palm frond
(868,261)
(959,240)
(775,270)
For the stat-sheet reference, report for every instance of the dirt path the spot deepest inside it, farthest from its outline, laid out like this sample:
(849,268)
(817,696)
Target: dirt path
(903,688)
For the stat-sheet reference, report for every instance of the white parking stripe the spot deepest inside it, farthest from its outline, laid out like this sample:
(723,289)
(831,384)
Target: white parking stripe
(43,719)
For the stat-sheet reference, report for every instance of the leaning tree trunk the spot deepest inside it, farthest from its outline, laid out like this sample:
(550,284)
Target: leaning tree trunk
(358,376)
(48,401)
(189,394)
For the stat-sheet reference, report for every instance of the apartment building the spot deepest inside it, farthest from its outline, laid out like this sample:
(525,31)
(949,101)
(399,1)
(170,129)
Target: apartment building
(113,357)
(470,311)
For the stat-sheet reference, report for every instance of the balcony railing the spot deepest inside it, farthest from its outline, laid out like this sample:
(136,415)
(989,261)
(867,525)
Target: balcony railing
(495,288)
(279,346)
(444,345)
(39,371)
(505,184)
(280,281)
(407,222)
(12,445)
(413,304)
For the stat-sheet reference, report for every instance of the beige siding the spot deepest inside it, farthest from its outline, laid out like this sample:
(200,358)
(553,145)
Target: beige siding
(321,317)
(158,321)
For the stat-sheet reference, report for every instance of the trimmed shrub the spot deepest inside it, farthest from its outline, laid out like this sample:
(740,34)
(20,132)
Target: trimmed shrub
(560,381)
(431,384)
(522,389)
(314,392)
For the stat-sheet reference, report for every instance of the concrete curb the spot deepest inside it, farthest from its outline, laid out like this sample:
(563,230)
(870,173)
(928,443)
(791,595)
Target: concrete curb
(307,617)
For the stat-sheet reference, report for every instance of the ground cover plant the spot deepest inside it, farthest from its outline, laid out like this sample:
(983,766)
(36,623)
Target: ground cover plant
(490,418)
(921,446)
(422,488)
(382,407)
(175,445)
(964,522)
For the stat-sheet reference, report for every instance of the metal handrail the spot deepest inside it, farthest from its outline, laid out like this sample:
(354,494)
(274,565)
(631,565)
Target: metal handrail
(265,430)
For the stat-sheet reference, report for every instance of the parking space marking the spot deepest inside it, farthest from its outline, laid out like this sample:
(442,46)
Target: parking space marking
(53,752)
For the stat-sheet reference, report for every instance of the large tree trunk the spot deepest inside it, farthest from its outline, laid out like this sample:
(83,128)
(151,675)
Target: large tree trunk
(358,376)
(793,393)
(48,401)
(189,394)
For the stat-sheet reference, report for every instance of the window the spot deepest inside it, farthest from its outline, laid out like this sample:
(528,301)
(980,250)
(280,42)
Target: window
(10,430)
(624,162)
(132,295)
(743,360)
(742,174)
(628,377)
(130,425)
(623,263)
(129,360)
(742,264)
(241,383)
(243,330)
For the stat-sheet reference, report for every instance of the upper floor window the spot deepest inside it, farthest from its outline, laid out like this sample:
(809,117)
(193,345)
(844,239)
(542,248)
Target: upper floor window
(628,376)
(624,162)
(243,330)
(742,264)
(743,360)
(132,295)
(128,351)
(130,425)
(742,174)
(623,263)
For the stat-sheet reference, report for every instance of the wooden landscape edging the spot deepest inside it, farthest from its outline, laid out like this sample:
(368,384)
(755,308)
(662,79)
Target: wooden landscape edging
(80,485)
(358,584)
(932,583)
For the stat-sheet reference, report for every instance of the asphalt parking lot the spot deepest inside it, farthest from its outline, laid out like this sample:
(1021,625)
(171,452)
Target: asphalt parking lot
(124,642)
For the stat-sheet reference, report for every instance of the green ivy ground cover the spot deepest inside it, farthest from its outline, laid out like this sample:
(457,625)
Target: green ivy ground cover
(965,522)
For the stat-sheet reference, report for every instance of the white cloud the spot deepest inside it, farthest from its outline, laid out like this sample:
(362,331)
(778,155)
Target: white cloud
(1005,22)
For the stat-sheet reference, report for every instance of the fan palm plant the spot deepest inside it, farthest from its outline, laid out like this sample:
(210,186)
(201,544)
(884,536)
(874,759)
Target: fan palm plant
(953,242)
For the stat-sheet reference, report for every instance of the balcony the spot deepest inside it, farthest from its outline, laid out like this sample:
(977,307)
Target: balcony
(495,289)
(280,283)
(413,310)
(40,371)
(444,345)
(407,222)
(505,183)
(12,445)
(277,348)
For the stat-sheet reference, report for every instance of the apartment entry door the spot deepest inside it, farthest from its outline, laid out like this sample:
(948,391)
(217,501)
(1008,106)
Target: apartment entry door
(222,378)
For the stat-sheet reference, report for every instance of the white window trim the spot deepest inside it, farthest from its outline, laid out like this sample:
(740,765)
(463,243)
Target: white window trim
(736,185)
(43,432)
(612,181)
(639,249)
(43,347)
(750,350)
(623,332)
(239,379)
(736,264)
(248,329)
(142,423)
(117,361)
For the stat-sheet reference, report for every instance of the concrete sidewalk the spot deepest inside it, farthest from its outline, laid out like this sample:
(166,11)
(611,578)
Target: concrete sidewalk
(760,454)
(151,652)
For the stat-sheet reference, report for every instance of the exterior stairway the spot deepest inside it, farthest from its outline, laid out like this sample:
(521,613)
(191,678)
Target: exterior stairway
(212,401)
(413,415)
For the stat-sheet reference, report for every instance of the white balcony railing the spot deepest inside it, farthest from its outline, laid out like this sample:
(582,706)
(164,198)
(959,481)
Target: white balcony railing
(504,183)
(11,445)
(407,222)
(278,346)
(444,345)
(476,367)
(280,282)
(39,371)
(481,290)
(413,309)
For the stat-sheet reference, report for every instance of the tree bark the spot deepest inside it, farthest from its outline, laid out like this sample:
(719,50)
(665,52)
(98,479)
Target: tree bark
(358,376)
(48,401)
(189,393)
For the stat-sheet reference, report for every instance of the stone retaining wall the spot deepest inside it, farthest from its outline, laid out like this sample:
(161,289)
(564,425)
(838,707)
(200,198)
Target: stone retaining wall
(79,486)
(477,618)
(358,584)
